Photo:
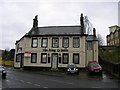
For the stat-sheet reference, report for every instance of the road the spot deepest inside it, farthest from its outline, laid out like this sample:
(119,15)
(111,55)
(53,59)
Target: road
(33,79)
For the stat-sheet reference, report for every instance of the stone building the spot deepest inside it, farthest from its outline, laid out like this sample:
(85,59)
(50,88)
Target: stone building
(113,39)
(56,46)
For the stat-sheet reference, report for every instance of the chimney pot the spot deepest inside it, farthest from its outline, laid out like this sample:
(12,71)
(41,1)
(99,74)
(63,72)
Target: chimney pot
(94,32)
(82,23)
(35,21)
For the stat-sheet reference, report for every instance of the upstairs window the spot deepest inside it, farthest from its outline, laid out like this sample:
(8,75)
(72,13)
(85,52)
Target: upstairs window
(89,45)
(55,42)
(34,42)
(44,42)
(65,43)
(76,42)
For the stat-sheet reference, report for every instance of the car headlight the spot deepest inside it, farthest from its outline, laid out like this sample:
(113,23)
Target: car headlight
(92,69)
(68,70)
(76,69)
(4,71)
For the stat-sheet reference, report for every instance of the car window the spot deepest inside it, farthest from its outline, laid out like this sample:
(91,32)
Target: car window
(71,66)
(94,64)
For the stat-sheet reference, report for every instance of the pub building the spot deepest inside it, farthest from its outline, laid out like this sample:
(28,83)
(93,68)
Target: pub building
(55,47)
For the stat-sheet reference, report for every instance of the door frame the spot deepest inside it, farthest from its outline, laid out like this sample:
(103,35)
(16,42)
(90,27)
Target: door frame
(52,60)
(22,60)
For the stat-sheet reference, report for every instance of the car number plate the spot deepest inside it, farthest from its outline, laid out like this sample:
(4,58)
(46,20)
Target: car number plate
(96,70)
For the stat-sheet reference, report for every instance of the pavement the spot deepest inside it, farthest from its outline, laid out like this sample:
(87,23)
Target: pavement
(57,73)
(42,72)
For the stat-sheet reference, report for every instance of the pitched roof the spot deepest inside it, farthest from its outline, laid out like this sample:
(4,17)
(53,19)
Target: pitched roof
(55,30)
(91,38)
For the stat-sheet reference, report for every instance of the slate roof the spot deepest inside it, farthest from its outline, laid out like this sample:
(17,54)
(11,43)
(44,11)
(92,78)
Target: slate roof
(59,30)
(56,30)
(91,38)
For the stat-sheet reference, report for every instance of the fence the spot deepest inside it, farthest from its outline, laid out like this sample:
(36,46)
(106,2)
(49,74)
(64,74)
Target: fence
(8,63)
(113,68)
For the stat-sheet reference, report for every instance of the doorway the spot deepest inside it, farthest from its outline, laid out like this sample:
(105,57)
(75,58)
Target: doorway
(54,61)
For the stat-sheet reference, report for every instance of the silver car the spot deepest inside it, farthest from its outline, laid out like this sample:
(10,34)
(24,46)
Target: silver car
(72,68)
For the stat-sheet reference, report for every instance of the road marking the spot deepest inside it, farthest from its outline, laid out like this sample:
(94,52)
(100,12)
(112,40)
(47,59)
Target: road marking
(45,87)
(29,82)
(95,87)
(22,81)
(8,80)
(36,84)
(59,81)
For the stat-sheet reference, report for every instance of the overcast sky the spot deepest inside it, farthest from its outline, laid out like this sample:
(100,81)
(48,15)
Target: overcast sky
(16,16)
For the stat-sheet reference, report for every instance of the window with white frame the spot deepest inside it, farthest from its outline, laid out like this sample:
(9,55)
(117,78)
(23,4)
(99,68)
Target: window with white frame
(34,42)
(43,57)
(89,45)
(44,42)
(18,57)
(76,58)
(65,42)
(55,42)
(33,57)
(65,58)
(76,42)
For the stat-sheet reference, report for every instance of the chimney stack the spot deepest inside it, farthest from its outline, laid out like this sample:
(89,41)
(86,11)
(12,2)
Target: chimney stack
(82,23)
(35,22)
(94,32)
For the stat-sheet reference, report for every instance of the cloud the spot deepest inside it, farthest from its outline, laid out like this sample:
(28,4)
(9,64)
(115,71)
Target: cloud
(16,17)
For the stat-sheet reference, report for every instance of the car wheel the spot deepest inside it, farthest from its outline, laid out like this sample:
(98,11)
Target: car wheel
(66,72)
(77,72)
(101,72)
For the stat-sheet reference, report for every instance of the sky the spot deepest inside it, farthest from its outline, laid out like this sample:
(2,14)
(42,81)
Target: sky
(16,16)
(119,13)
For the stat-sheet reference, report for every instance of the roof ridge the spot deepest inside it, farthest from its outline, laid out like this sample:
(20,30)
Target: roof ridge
(58,26)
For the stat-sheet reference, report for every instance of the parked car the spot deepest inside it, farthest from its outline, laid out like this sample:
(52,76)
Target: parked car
(3,72)
(94,67)
(72,68)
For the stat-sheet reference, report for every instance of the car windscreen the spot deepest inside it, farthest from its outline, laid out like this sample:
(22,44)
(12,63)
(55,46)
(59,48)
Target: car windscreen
(71,66)
(94,65)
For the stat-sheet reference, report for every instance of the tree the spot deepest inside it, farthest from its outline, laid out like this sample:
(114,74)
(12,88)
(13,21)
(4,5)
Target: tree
(12,52)
(100,40)
(5,54)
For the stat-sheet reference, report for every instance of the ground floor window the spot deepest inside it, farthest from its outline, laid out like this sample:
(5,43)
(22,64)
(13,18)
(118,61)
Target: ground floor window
(44,58)
(18,57)
(65,58)
(76,58)
(33,57)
